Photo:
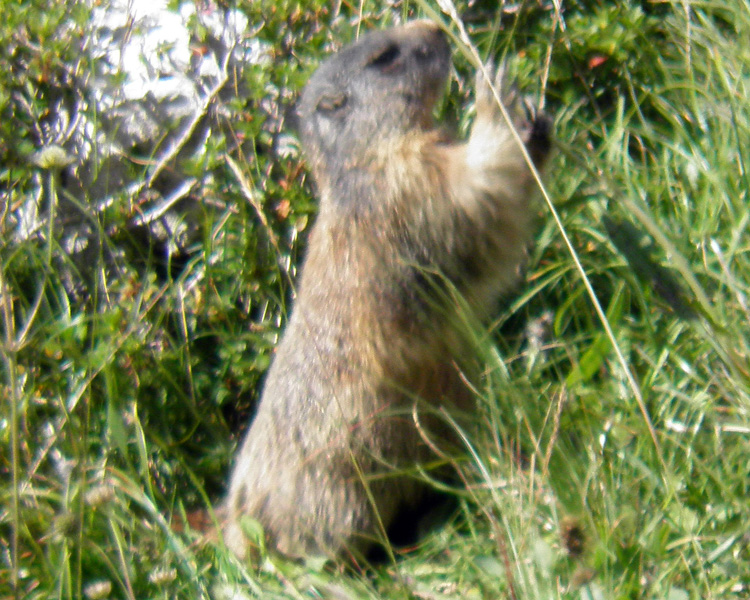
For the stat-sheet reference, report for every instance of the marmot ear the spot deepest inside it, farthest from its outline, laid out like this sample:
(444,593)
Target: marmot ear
(331,102)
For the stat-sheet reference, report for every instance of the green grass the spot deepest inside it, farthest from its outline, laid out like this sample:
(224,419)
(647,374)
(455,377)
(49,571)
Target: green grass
(604,467)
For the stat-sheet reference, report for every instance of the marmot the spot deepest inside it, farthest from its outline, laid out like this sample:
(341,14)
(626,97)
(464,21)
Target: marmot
(370,346)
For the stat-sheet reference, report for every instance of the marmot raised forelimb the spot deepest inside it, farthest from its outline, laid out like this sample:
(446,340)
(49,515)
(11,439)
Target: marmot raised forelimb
(367,342)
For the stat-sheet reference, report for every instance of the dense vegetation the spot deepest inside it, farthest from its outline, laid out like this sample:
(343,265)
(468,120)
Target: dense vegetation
(613,460)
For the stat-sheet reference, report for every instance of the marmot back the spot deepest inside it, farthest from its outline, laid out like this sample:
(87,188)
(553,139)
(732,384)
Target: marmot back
(368,356)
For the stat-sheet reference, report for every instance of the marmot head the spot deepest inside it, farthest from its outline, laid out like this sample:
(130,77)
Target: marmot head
(373,90)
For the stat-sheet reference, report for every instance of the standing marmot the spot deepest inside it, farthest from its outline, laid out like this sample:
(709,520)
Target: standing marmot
(370,346)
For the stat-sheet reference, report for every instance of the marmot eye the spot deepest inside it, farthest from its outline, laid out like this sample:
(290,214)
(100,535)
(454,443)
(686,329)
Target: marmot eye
(385,57)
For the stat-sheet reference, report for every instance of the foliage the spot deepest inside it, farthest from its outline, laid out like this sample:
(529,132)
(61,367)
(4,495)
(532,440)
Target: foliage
(122,404)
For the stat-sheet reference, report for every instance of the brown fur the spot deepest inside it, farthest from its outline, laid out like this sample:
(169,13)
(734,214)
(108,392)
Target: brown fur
(370,343)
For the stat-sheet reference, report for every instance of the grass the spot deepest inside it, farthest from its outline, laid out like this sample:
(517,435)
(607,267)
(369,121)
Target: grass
(611,462)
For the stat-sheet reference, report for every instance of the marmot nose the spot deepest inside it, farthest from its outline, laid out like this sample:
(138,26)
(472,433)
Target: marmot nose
(427,38)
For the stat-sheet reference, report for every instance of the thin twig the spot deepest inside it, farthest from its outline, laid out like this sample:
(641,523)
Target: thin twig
(176,146)
(252,198)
